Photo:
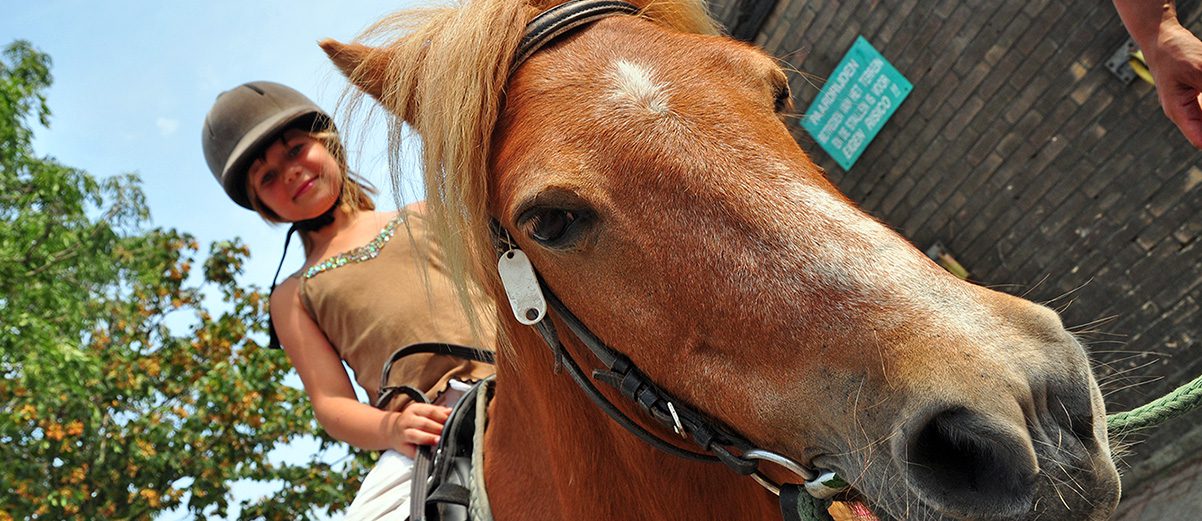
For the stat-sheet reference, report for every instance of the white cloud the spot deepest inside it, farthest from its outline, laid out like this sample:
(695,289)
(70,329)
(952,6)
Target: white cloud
(167,126)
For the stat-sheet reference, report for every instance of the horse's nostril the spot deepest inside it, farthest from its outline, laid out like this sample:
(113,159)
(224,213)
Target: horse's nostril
(968,464)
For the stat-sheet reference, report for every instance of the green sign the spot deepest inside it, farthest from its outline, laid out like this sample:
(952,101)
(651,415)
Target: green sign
(864,90)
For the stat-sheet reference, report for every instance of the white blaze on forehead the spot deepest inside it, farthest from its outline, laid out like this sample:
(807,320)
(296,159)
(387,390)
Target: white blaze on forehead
(634,84)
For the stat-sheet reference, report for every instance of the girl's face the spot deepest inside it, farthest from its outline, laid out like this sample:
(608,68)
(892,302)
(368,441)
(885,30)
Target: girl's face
(297,178)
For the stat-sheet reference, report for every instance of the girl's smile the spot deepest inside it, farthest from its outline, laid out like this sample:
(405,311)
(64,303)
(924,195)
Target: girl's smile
(304,187)
(296,177)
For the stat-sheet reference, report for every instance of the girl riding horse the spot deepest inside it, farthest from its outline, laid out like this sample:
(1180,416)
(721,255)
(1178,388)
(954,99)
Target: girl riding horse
(372,282)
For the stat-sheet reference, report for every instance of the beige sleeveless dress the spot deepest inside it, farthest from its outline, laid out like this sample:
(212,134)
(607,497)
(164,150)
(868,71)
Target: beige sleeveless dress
(390,293)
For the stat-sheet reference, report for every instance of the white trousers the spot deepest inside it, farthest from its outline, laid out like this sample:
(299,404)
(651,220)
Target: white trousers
(385,491)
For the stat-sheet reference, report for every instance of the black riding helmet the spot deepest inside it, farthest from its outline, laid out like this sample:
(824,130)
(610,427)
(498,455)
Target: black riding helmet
(244,120)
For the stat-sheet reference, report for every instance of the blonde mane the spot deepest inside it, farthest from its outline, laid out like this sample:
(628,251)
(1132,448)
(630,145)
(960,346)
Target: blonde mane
(444,74)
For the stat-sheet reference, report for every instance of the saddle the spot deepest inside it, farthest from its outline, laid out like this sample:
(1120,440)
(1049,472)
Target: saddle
(445,477)
(442,475)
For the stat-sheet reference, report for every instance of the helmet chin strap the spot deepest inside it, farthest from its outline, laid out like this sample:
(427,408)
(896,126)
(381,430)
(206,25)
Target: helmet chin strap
(307,225)
(314,224)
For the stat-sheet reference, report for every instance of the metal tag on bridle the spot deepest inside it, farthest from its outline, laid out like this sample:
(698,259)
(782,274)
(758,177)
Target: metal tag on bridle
(521,286)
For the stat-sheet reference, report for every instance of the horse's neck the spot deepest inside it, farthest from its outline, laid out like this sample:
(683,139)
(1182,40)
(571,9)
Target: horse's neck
(551,454)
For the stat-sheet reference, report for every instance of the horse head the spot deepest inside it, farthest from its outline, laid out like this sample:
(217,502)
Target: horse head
(644,166)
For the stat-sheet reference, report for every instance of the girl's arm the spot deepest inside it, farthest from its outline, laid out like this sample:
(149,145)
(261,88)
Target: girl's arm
(329,387)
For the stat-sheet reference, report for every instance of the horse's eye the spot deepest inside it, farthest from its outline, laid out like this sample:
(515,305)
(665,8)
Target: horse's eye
(549,226)
(783,99)
(554,227)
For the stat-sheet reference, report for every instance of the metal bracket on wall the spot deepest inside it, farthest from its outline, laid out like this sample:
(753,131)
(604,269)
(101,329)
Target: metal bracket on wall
(1119,62)
(943,257)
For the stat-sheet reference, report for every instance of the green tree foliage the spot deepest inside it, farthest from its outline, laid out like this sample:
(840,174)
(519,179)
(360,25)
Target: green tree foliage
(128,386)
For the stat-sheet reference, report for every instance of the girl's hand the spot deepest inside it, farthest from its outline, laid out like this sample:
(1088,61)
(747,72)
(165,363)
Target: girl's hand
(420,424)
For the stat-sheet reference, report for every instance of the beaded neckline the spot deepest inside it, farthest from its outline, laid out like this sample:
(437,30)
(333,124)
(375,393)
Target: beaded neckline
(363,253)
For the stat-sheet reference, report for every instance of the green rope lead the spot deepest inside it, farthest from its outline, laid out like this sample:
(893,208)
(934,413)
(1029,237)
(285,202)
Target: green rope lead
(1182,400)
(810,508)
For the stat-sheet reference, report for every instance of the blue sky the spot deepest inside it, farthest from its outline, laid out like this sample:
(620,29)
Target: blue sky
(134,80)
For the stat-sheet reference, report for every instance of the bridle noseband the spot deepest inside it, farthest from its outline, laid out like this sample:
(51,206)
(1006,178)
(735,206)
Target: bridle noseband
(530,298)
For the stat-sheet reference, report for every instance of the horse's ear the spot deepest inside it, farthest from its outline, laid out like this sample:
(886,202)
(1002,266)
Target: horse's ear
(364,66)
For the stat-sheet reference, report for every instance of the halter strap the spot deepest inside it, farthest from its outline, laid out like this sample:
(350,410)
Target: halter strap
(554,22)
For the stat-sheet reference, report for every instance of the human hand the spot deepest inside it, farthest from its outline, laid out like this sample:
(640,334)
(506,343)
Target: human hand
(1176,65)
(420,424)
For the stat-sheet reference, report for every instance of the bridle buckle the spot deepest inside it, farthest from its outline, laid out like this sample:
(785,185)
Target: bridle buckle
(676,426)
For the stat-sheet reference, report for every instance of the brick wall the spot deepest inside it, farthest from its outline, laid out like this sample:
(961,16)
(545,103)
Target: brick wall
(1041,172)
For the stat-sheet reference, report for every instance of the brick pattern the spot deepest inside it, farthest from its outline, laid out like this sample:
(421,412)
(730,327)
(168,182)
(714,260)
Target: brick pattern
(1173,497)
(1040,171)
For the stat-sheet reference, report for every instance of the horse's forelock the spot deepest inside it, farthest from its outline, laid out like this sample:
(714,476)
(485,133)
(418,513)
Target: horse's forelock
(686,16)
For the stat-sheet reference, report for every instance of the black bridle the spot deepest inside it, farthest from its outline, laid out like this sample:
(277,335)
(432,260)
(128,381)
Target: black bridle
(717,442)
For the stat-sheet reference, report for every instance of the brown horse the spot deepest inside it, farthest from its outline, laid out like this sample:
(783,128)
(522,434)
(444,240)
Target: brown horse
(643,166)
